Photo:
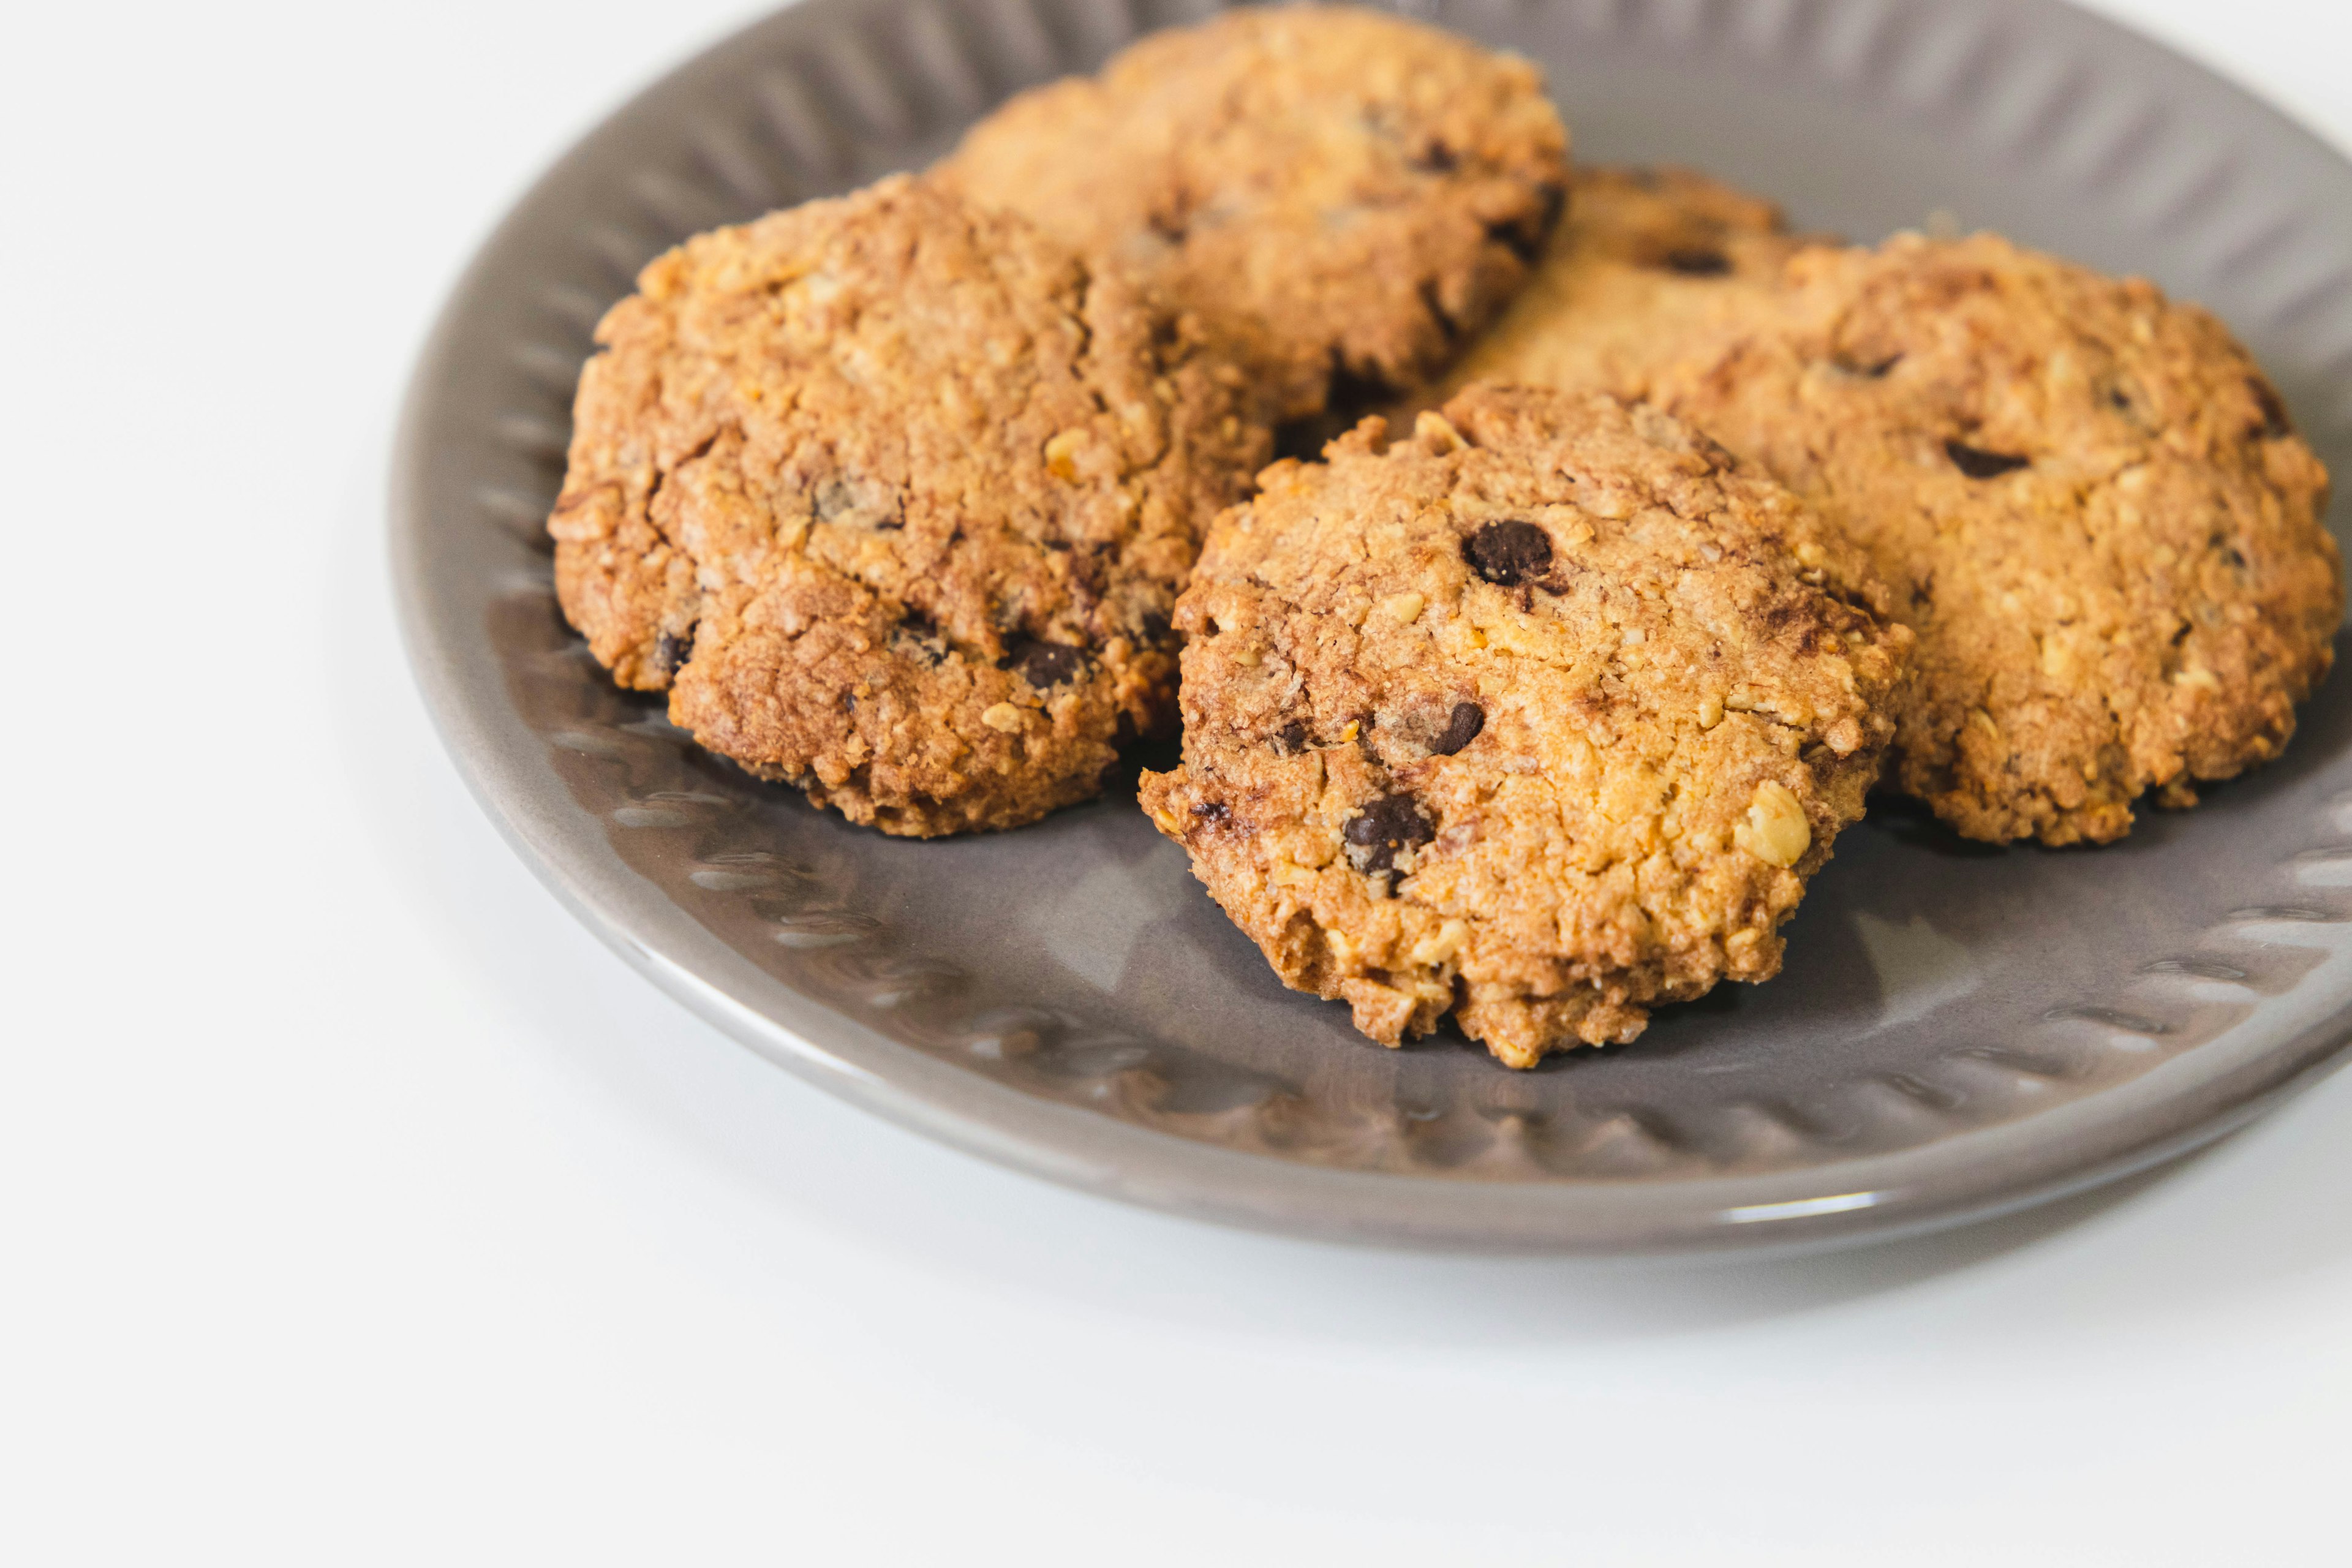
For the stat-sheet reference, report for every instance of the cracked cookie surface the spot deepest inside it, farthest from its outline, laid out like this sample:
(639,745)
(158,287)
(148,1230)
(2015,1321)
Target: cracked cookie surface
(2089,501)
(1540,717)
(1342,195)
(894,497)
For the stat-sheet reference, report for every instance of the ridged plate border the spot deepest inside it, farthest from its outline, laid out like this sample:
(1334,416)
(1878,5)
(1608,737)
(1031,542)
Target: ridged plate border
(2241,206)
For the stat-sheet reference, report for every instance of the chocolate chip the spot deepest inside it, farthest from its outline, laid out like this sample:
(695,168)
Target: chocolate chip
(1042,664)
(1869,370)
(1383,827)
(2276,424)
(1212,811)
(671,651)
(1291,740)
(1461,729)
(1697,263)
(1437,158)
(1509,551)
(1979,464)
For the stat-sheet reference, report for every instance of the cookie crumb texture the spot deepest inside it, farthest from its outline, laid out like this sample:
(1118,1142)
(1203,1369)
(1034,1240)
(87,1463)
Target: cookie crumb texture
(1344,195)
(1540,717)
(894,497)
(1646,260)
(2090,502)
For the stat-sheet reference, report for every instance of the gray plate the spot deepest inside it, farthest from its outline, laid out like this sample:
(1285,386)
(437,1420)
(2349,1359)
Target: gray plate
(1958,1030)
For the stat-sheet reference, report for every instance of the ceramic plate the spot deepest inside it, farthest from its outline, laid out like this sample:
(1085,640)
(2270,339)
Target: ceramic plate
(1958,1029)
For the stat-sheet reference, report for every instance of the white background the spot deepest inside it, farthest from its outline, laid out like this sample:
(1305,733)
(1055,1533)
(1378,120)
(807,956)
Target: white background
(355,1206)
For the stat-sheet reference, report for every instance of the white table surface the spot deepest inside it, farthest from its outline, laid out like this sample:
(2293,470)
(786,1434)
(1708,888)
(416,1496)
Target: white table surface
(356,1206)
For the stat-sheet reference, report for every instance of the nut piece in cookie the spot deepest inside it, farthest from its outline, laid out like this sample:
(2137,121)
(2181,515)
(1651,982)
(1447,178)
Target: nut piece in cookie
(1540,717)
(894,496)
(1343,195)
(2090,502)
(1644,261)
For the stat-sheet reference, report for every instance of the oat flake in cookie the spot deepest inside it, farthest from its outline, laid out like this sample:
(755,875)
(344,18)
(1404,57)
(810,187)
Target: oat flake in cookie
(895,498)
(1345,196)
(1541,717)
(2088,501)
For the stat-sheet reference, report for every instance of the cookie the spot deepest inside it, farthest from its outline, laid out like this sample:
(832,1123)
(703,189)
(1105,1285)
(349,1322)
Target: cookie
(2092,508)
(1541,717)
(1644,261)
(1343,196)
(894,497)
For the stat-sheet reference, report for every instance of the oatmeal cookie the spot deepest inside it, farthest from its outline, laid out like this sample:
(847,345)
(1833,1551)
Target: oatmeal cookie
(1541,717)
(1343,196)
(2089,501)
(894,497)
(1644,262)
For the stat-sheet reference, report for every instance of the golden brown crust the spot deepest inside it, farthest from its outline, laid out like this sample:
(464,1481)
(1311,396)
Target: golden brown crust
(1540,717)
(1644,260)
(2137,606)
(2088,498)
(895,498)
(1335,191)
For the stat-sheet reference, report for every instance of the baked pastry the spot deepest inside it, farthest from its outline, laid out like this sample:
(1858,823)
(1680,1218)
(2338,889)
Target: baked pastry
(2091,503)
(894,496)
(1343,195)
(1644,261)
(1541,717)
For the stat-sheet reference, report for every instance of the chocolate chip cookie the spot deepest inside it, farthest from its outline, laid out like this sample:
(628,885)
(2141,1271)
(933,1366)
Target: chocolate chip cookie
(1540,717)
(894,496)
(1344,195)
(2091,506)
(1644,261)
